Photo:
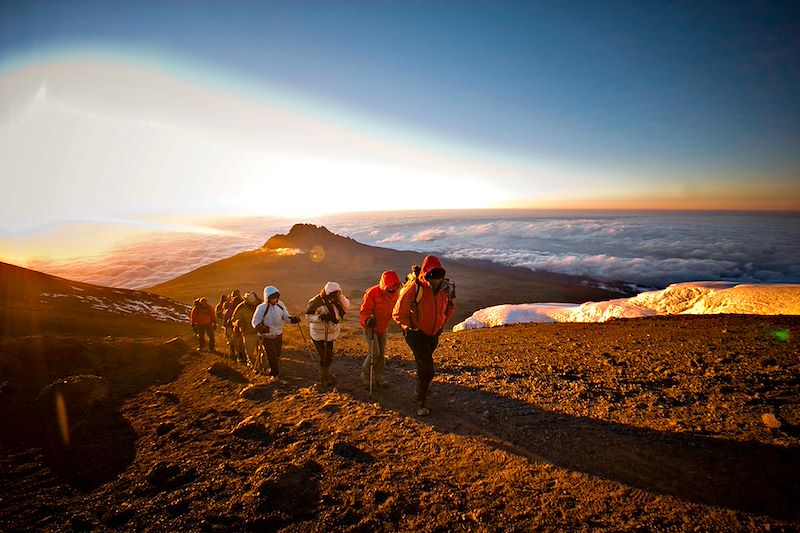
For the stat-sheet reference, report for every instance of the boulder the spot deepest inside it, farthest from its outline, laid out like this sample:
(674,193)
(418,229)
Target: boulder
(79,393)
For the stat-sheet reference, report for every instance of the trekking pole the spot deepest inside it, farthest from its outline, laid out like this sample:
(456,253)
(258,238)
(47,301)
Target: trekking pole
(371,361)
(308,347)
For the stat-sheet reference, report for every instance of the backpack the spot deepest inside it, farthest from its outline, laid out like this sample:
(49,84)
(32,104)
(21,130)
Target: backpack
(412,279)
(448,286)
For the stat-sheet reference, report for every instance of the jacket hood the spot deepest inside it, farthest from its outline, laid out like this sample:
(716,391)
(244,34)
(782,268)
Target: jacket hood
(269,290)
(389,278)
(431,262)
(330,287)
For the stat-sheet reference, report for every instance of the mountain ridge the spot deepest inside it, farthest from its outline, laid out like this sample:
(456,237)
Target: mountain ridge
(34,302)
(301,261)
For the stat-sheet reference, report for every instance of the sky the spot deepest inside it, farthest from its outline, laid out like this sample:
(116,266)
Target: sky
(120,117)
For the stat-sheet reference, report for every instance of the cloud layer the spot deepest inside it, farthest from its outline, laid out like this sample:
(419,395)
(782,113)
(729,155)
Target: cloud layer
(650,250)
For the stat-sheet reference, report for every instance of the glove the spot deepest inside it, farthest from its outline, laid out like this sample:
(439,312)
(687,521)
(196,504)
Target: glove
(334,320)
(263,329)
(371,321)
(325,317)
(294,319)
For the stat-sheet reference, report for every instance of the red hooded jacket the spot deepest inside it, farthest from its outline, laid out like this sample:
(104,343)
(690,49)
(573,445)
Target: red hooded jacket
(378,302)
(202,315)
(433,309)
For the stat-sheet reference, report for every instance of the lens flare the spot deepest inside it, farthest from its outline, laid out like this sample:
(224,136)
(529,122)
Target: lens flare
(61,413)
(318,254)
(781,335)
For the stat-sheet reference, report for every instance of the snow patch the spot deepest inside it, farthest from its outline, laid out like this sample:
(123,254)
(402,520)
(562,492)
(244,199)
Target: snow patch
(690,298)
(170,312)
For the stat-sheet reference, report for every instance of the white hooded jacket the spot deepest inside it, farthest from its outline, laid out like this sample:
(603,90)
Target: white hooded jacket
(273,316)
(319,329)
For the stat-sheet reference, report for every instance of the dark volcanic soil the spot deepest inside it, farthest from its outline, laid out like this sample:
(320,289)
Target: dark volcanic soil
(633,425)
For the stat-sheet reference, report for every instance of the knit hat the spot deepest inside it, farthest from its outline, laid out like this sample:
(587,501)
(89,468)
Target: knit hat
(331,286)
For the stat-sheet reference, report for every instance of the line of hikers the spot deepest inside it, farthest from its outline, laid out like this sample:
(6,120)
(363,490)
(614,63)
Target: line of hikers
(254,326)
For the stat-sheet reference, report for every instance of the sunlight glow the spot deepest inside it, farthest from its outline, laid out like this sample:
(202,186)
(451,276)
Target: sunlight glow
(123,141)
(92,147)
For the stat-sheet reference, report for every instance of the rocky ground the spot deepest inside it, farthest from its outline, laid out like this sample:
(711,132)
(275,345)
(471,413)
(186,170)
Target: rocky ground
(666,424)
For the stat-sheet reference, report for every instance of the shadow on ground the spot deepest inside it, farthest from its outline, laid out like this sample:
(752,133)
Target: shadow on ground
(746,476)
(96,443)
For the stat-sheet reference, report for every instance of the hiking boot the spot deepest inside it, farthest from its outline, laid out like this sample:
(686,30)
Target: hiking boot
(326,378)
(422,409)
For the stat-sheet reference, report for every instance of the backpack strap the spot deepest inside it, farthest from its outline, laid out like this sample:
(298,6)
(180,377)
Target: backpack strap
(415,304)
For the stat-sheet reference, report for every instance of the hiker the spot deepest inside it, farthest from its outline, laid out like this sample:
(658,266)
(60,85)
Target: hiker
(421,310)
(219,310)
(324,312)
(203,323)
(242,321)
(235,343)
(268,321)
(375,315)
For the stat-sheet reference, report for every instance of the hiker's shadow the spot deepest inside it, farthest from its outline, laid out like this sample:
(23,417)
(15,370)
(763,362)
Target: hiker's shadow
(745,476)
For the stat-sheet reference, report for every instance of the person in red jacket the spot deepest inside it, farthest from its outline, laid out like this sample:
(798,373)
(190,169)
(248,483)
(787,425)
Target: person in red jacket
(203,323)
(424,305)
(376,312)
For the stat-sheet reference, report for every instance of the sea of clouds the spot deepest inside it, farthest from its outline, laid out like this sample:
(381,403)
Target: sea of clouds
(153,258)
(649,250)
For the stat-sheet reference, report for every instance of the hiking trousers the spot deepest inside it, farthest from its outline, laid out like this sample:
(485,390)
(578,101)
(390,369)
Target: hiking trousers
(325,351)
(250,345)
(273,347)
(376,343)
(422,346)
(231,341)
(202,331)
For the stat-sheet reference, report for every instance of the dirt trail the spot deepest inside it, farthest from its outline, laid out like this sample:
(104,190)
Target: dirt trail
(649,425)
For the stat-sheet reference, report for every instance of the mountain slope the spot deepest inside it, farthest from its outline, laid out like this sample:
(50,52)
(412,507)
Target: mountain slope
(672,423)
(300,262)
(33,303)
